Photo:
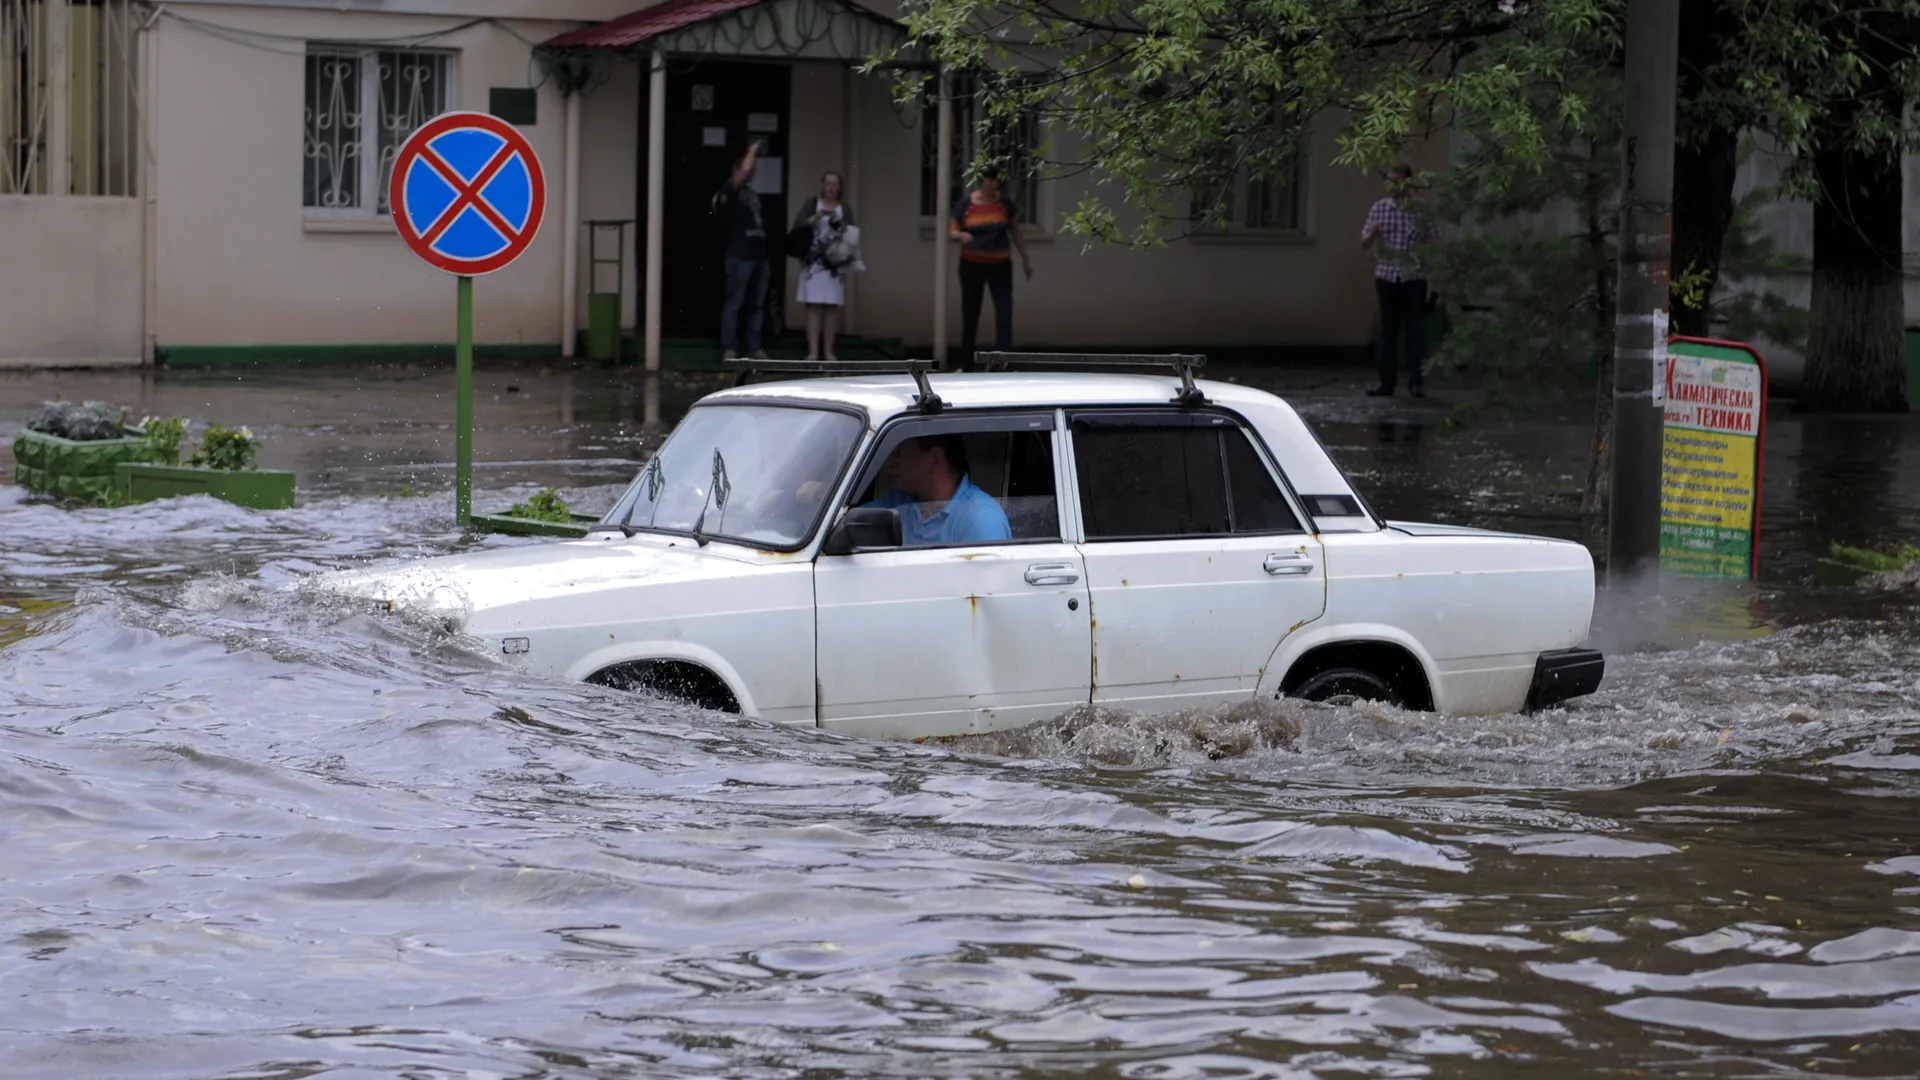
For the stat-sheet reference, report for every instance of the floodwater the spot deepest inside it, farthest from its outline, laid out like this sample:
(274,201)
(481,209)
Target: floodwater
(249,835)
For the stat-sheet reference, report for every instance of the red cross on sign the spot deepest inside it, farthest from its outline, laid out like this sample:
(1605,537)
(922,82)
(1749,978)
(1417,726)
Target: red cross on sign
(467,193)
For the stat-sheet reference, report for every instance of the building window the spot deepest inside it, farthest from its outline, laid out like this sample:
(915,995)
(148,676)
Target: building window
(1015,141)
(361,105)
(1253,205)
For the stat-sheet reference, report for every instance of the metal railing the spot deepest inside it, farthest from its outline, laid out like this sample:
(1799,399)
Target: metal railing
(69,123)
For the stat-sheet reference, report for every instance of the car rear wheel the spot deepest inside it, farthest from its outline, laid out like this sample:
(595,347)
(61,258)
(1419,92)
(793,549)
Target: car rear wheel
(1347,686)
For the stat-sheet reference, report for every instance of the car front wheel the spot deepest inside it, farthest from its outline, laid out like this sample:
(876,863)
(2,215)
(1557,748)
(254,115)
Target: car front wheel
(1347,686)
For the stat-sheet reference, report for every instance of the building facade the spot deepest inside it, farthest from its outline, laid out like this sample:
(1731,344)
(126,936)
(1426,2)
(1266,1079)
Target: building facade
(204,181)
(210,183)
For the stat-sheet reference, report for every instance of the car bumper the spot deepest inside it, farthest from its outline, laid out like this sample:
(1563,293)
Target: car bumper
(1563,675)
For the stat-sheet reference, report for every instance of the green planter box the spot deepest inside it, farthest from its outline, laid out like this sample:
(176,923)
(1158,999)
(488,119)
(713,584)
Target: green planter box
(519,526)
(1834,574)
(258,489)
(83,471)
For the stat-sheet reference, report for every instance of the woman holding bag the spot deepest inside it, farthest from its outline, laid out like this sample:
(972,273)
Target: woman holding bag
(826,241)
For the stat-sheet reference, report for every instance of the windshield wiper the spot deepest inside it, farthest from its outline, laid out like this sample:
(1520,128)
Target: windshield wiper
(655,480)
(716,495)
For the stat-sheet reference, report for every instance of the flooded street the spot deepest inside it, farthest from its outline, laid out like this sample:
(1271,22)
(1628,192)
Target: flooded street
(251,834)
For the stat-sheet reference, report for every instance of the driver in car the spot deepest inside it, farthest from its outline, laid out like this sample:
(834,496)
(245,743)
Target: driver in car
(938,503)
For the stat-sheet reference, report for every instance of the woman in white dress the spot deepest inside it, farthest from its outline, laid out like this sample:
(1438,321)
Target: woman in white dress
(822,288)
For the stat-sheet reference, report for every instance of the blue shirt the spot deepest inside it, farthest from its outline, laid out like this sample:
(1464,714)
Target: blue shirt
(971,517)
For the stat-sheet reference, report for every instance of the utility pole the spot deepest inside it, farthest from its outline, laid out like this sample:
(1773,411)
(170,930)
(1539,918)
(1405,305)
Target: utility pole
(1641,298)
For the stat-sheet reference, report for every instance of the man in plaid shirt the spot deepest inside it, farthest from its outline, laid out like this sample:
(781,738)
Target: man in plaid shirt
(1397,224)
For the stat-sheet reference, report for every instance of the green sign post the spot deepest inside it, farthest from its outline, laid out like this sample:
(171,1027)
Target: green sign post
(463,402)
(467,196)
(1715,420)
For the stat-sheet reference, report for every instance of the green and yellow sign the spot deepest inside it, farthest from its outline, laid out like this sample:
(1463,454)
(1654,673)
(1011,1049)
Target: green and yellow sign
(1716,407)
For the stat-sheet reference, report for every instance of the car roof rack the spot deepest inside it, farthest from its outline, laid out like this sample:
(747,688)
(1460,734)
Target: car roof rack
(926,399)
(1182,364)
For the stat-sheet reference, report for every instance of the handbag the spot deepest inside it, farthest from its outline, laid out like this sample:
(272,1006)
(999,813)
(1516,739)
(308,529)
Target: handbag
(799,242)
(800,237)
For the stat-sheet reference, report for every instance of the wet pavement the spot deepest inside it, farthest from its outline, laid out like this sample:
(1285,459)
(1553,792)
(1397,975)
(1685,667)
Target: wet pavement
(249,835)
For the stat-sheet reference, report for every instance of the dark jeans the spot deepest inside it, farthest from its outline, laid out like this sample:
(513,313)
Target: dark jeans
(1403,308)
(746,285)
(975,278)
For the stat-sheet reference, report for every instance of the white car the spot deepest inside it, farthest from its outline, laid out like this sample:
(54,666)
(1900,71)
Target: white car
(1169,544)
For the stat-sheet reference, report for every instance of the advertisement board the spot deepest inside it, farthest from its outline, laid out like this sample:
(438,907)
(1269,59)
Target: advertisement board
(1715,409)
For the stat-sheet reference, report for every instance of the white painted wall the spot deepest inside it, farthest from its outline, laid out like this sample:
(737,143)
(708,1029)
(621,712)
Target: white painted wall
(609,156)
(1311,289)
(240,263)
(71,281)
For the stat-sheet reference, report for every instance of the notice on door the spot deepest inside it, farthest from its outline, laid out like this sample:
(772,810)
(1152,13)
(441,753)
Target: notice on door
(1716,402)
(769,175)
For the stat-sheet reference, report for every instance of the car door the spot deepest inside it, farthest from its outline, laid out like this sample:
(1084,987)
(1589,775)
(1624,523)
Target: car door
(1196,558)
(946,640)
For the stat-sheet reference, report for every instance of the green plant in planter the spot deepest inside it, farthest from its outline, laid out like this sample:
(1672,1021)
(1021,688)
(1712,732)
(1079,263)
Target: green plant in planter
(230,449)
(1877,561)
(92,422)
(546,505)
(163,438)
(70,451)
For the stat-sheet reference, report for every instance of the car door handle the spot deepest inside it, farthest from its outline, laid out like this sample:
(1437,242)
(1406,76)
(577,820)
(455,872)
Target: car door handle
(1054,573)
(1288,562)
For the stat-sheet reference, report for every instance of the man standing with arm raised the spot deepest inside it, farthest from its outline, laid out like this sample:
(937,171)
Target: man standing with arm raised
(737,204)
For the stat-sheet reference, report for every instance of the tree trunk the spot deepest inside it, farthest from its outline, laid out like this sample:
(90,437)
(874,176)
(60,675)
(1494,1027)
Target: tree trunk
(1705,161)
(1855,343)
(1593,495)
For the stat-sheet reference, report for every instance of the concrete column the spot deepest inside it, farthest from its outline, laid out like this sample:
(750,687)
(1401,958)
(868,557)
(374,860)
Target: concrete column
(1640,313)
(149,53)
(942,202)
(656,225)
(570,222)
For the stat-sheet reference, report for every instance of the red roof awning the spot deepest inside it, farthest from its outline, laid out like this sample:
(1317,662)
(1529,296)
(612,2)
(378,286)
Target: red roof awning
(831,29)
(641,26)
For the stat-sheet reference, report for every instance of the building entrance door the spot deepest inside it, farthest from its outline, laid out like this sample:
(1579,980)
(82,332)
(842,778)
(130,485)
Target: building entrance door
(713,108)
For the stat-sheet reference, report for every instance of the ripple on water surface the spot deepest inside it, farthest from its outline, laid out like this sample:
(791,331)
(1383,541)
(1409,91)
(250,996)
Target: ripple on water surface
(253,835)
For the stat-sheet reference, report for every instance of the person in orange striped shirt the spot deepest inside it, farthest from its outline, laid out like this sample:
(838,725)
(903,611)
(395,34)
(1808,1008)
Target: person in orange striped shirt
(987,226)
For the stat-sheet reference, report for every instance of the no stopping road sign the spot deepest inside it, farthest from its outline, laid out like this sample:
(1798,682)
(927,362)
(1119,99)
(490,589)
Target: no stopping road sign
(467,193)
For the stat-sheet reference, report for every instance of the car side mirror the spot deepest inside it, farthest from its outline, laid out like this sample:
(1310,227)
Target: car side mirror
(864,528)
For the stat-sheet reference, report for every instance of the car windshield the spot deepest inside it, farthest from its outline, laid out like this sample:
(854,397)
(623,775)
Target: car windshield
(753,474)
